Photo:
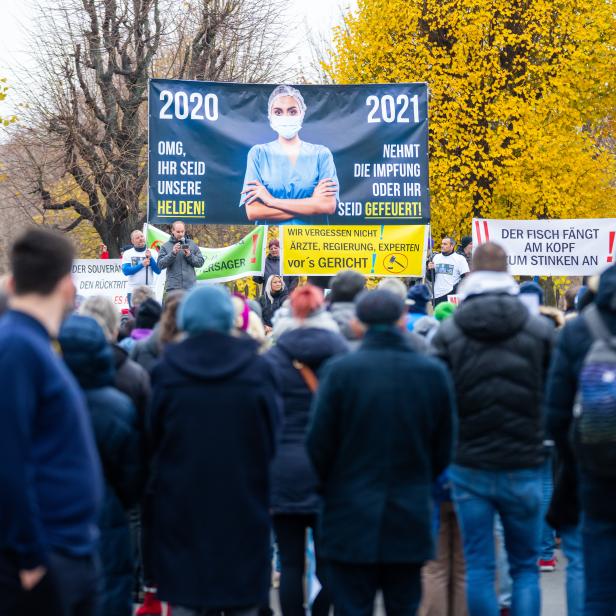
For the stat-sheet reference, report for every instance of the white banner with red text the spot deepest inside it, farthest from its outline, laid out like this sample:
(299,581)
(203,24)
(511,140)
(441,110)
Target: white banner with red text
(573,247)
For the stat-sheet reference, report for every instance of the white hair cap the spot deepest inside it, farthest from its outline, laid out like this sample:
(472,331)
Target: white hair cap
(285,90)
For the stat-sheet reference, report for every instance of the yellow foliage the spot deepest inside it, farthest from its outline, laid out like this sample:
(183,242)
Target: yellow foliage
(522,100)
(3,92)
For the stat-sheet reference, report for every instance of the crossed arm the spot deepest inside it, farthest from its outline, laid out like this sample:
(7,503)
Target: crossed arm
(261,205)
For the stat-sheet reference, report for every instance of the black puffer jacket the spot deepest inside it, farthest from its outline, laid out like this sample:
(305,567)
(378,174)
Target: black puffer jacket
(269,308)
(498,354)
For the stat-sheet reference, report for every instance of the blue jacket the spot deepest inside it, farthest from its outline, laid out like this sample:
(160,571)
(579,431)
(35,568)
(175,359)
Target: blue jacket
(382,432)
(294,482)
(574,343)
(50,476)
(114,421)
(214,415)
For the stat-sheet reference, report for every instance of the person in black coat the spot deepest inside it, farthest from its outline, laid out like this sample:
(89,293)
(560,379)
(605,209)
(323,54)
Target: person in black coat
(382,432)
(295,501)
(274,295)
(578,489)
(214,415)
(130,377)
(114,420)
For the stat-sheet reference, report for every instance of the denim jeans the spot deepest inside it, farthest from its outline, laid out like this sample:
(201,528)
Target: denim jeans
(503,578)
(548,537)
(599,538)
(571,540)
(516,496)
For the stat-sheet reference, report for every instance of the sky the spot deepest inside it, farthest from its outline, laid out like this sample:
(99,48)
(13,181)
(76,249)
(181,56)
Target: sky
(318,16)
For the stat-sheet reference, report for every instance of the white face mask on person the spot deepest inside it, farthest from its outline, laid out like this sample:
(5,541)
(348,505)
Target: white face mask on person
(286,126)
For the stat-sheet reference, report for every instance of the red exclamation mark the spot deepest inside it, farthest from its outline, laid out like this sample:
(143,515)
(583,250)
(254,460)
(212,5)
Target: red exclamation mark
(255,239)
(478,230)
(610,257)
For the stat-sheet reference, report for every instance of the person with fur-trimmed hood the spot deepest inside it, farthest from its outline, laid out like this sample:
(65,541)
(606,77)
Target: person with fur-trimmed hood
(498,354)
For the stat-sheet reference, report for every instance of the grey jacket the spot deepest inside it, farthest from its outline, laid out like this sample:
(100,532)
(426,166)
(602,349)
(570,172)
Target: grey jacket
(180,269)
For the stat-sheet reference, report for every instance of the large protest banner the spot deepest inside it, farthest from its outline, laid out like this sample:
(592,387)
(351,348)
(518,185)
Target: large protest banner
(372,250)
(574,247)
(331,154)
(101,277)
(245,258)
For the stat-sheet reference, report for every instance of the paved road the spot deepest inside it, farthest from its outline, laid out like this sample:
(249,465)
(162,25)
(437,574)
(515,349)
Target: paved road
(552,594)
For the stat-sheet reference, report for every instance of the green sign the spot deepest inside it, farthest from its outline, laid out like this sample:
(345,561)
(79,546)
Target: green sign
(246,258)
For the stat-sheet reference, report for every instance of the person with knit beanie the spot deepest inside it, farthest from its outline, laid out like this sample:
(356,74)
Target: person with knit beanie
(214,417)
(444,311)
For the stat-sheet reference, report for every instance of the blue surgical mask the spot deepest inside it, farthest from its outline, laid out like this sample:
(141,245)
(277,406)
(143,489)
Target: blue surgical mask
(286,126)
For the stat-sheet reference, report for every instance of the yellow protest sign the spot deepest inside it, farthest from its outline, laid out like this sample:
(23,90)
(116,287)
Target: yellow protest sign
(379,250)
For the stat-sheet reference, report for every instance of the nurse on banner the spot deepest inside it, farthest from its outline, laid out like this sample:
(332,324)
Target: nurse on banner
(289,181)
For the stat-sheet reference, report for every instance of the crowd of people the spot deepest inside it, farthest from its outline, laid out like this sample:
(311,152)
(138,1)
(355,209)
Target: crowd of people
(430,450)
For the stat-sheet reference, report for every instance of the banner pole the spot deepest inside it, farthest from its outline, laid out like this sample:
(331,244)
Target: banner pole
(147,202)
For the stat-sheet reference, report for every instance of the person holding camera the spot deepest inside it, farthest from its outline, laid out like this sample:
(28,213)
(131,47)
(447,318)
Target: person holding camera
(180,257)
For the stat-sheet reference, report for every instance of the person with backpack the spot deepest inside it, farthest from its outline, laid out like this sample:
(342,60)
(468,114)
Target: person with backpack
(295,502)
(581,408)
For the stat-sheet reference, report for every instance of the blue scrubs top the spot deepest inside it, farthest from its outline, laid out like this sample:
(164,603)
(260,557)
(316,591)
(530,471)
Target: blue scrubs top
(269,164)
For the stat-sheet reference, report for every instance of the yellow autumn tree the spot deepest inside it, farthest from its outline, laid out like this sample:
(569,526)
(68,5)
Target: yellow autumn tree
(3,94)
(522,99)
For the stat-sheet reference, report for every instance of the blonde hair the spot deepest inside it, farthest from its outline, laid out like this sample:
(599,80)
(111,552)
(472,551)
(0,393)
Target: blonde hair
(104,312)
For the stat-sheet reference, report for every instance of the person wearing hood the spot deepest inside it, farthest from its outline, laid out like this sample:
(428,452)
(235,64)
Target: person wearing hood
(345,287)
(377,451)
(130,377)
(319,318)
(297,357)
(272,267)
(114,420)
(498,354)
(274,295)
(417,300)
(134,381)
(583,501)
(213,423)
